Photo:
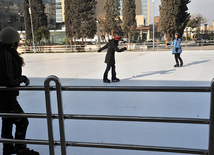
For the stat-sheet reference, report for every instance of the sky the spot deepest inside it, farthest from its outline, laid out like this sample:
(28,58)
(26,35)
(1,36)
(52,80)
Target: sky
(204,7)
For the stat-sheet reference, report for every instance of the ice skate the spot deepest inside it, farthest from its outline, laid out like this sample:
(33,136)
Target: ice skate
(8,149)
(27,151)
(106,81)
(115,80)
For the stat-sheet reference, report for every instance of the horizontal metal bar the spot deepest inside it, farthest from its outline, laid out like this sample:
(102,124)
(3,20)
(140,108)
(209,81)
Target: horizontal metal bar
(28,88)
(112,118)
(138,119)
(109,146)
(26,141)
(26,115)
(137,88)
(138,147)
(116,88)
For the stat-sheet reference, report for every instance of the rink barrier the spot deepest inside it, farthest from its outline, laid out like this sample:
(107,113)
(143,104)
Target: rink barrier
(158,46)
(61,116)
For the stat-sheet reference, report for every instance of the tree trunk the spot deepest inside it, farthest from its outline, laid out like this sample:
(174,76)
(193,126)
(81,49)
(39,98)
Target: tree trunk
(168,38)
(112,34)
(82,39)
(129,39)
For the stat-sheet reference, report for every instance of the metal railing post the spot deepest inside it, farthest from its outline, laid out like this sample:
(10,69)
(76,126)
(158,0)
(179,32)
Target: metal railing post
(60,113)
(211,127)
(49,116)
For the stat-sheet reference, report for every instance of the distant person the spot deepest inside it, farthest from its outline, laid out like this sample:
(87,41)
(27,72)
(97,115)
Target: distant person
(11,76)
(112,46)
(176,44)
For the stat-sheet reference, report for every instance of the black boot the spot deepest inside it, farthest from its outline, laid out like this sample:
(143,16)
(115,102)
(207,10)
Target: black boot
(26,151)
(8,149)
(115,80)
(181,64)
(106,81)
(177,65)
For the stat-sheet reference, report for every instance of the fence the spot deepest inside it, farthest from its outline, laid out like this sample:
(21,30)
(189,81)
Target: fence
(190,45)
(58,49)
(61,116)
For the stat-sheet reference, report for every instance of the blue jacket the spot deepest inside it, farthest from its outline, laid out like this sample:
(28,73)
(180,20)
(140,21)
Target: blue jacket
(176,44)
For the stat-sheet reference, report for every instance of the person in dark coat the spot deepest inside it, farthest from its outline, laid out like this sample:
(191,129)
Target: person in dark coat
(112,46)
(177,50)
(11,76)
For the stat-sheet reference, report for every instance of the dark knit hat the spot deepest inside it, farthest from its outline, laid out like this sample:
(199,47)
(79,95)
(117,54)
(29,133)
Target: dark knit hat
(8,35)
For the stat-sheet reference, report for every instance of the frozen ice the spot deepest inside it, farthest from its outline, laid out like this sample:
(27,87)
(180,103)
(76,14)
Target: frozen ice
(134,69)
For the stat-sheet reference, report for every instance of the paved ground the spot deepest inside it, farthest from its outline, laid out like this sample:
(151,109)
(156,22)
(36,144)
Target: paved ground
(134,69)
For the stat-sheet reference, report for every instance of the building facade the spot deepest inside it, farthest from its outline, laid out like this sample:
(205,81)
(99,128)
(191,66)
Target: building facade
(145,11)
(100,12)
(60,17)
(50,11)
(11,14)
(139,8)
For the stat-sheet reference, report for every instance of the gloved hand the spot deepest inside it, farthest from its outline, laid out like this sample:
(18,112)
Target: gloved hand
(24,79)
(176,50)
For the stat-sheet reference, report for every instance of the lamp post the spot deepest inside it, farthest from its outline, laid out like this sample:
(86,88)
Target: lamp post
(153,25)
(31,22)
(98,33)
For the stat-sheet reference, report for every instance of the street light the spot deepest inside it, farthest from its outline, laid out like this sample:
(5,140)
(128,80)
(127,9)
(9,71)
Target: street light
(31,22)
(153,25)
(98,32)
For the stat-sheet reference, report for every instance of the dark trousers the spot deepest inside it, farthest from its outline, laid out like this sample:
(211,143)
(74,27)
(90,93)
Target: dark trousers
(178,57)
(113,72)
(10,105)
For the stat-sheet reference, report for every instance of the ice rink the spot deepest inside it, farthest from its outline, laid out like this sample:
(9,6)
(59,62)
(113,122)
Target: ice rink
(134,69)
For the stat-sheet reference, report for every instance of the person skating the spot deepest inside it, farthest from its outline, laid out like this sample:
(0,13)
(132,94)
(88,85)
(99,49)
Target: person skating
(112,46)
(176,44)
(11,76)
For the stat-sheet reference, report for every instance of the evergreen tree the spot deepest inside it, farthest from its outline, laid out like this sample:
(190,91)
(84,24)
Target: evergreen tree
(88,27)
(38,16)
(173,17)
(71,18)
(43,35)
(112,16)
(80,18)
(129,17)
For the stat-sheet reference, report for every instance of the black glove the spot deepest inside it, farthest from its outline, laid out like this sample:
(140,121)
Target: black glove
(176,50)
(24,79)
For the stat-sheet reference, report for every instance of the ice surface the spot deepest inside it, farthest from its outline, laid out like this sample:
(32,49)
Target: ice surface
(134,69)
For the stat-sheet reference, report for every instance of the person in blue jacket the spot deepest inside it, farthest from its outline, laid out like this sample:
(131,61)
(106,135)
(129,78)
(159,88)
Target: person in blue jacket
(176,45)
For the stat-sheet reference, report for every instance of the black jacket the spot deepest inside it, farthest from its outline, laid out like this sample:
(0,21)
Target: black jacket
(10,70)
(112,46)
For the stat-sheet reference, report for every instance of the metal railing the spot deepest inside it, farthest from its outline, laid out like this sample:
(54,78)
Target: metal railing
(132,47)
(59,49)
(61,116)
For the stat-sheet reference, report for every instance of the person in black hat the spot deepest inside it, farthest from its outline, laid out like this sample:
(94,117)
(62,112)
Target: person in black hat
(11,76)
(176,50)
(112,46)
